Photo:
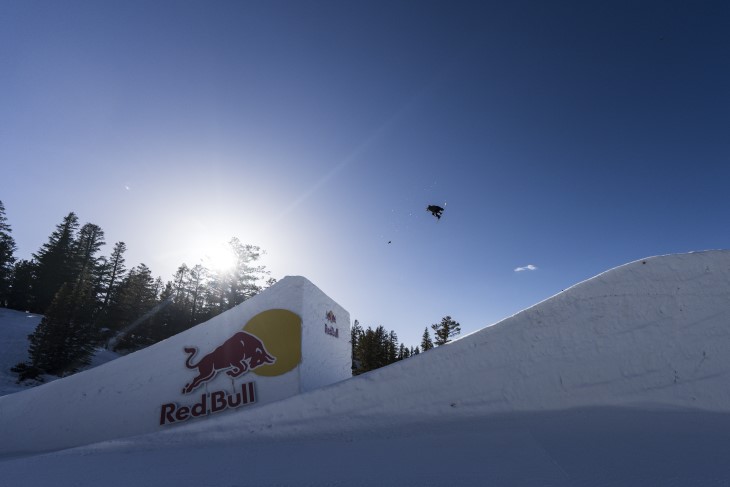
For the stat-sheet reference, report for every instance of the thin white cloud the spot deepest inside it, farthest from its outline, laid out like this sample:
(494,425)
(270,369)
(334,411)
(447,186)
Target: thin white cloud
(528,267)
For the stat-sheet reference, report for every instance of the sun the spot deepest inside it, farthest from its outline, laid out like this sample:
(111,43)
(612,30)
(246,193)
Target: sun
(220,258)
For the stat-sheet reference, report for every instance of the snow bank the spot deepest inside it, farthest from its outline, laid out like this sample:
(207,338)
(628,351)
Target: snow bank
(294,339)
(594,447)
(654,333)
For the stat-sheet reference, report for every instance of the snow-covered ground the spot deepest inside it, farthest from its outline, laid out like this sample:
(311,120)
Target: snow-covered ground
(15,326)
(619,380)
(576,448)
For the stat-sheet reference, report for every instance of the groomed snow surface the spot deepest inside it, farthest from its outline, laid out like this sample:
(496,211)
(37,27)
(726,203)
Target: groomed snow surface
(124,397)
(620,380)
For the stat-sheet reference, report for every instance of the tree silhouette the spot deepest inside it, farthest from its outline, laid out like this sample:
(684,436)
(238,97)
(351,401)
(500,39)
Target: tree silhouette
(445,331)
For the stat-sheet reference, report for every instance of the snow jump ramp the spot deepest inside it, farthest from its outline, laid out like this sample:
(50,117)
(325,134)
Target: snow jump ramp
(289,339)
(649,335)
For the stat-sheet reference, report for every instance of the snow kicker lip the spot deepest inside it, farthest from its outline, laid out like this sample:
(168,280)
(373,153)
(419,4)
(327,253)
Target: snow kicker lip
(210,403)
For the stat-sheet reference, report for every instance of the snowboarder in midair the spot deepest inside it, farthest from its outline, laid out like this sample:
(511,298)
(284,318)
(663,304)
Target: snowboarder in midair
(435,210)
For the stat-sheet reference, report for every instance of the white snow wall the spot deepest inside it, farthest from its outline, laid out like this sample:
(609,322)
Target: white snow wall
(652,333)
(124,397)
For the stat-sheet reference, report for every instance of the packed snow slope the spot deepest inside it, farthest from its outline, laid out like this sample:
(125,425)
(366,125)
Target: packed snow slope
(125,397)
(619,380)
(652,333)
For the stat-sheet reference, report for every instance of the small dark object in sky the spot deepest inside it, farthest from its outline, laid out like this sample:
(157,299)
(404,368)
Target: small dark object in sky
(389,241)
(435,210)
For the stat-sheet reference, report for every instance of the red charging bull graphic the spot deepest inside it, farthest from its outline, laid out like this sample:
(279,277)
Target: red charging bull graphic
(237,355)
(243,352)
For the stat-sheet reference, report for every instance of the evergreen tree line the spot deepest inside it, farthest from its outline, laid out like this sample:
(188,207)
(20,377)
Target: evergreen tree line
(7,257)
(90,300)
(375,348)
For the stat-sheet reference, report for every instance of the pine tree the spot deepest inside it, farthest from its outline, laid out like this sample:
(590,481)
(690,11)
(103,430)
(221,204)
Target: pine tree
(83,333)
(135,297)
(374,349)
(179,311)
(445,331)
(55,263)
(165,320)
(244,276)
(195,285)
(370,353)
(426,343)
(88,243)
(194,295)
(391,347)
(64,339)
(404,352)
(158,287)
(179,281)
(356,334)
(7,258)
(21,287)
(214,296)
(382,348)
(114,271)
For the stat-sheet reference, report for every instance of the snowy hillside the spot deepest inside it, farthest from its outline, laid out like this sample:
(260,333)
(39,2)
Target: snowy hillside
(619,380)
(15,326)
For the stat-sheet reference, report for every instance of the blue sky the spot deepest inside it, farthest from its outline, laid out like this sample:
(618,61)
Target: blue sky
(572,136)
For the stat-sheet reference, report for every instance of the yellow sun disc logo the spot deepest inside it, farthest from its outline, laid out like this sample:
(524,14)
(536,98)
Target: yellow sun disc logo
(281,332)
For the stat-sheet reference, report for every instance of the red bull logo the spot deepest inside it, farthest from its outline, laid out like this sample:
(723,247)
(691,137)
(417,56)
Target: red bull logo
(269,345)
(210,403)
(331,329)
(237,355)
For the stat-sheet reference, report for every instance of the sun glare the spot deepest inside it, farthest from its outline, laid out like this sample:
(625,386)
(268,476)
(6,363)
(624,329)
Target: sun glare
(220,258)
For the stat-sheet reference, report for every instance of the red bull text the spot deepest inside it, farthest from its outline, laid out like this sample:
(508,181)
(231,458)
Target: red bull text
(210,403)
(331,330)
